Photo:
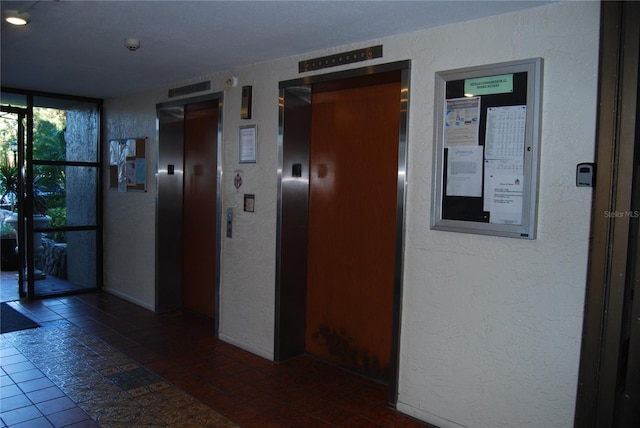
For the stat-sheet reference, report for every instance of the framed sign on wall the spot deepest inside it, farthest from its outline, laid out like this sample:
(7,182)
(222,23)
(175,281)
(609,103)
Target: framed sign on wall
(247,143)
(486,151)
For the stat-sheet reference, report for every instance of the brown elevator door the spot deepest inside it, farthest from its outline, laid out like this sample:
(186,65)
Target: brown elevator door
(352,216)
(199,208)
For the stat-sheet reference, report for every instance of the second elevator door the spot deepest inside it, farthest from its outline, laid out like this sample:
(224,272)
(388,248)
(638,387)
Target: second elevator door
(352,215)
(199,199)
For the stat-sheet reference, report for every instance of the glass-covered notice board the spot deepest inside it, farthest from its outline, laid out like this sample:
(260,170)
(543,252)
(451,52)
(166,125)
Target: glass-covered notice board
(486,151)
(128,165)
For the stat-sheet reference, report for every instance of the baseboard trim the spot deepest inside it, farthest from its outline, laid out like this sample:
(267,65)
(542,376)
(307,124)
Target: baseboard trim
(427,417)
(259,352)
(129,298)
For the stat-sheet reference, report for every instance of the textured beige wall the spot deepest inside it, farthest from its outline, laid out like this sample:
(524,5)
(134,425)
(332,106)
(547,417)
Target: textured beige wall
(491,327)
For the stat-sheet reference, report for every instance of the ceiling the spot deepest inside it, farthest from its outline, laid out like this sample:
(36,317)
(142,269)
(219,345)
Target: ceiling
(77,47)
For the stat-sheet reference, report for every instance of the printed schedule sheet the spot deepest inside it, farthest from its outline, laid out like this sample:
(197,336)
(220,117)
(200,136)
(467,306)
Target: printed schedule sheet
(504,166)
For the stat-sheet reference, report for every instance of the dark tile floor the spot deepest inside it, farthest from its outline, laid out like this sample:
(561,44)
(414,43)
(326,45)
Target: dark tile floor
(98,360)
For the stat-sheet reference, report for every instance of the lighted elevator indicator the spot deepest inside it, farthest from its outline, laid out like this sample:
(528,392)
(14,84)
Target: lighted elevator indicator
(342,58)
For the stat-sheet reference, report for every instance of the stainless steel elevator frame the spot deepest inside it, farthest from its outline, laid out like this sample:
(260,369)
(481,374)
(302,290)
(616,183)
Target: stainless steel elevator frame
(294,137)
(169,205)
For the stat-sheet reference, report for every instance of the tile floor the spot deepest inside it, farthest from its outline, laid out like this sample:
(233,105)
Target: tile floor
(98,360)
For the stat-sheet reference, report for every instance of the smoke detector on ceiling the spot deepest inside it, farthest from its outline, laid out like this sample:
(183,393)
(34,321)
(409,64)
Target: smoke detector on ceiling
(132,43)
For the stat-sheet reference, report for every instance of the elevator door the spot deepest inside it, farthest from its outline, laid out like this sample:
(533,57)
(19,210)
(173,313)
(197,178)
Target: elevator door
(352,217)
(199,207)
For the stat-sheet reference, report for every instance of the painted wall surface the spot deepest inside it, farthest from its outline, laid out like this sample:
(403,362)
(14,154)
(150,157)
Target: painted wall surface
(129,217)
(491,326)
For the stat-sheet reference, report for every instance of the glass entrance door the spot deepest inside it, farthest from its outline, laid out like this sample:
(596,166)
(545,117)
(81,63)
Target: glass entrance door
(13,136)
(58,208)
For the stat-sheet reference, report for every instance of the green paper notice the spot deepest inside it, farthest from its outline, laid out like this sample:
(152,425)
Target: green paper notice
(500,84)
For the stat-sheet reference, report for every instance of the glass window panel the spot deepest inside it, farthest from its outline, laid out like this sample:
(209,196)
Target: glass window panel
(81,191)
(65,130)
(66,266)
(49,134)
(71,200)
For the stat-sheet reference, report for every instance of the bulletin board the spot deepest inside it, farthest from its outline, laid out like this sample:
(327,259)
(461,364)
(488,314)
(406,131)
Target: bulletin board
(128,165)
(486,151)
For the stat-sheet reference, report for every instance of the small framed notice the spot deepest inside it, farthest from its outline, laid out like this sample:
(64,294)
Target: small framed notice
(249,203)
(248,137)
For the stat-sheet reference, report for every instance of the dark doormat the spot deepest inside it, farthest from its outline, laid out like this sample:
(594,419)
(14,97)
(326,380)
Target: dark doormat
(12,320)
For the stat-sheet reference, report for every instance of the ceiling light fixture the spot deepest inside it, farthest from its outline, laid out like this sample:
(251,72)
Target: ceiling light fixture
(16,18)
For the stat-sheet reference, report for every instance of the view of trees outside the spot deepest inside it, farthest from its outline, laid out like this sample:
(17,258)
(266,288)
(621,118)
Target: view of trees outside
(49,180)
(8,160)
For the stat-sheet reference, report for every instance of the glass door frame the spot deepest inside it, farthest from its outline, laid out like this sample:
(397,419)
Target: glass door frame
(22,115)
(25,197)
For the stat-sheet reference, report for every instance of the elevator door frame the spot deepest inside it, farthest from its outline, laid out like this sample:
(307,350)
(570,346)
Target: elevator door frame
(294,138)
(169,214)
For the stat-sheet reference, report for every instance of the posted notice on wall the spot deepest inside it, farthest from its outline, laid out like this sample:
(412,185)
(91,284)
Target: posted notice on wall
(494,170)
(504,138)
(464,171)
(504,164)
(248,136)
(505,199)
(131,172)
(462,122)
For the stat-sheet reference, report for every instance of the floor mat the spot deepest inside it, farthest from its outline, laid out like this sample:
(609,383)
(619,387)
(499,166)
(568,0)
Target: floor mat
(12,320)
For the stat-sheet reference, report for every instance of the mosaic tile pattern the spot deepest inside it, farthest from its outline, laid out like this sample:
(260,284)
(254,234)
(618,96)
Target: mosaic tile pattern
(103,345)
(111,388)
